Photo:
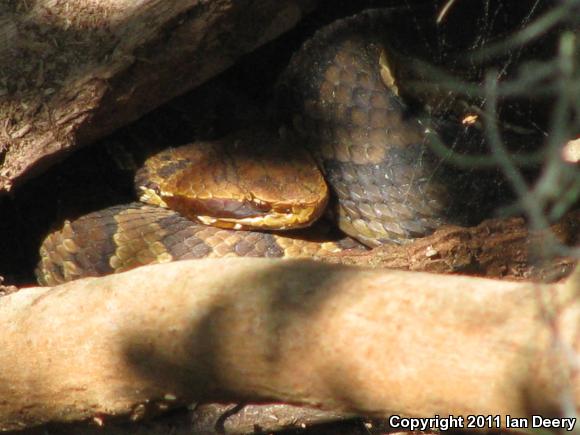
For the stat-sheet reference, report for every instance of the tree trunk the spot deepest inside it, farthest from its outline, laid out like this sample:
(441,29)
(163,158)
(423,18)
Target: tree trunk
(72,72)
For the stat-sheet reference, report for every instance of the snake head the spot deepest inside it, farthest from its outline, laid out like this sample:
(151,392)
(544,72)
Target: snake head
(255,179)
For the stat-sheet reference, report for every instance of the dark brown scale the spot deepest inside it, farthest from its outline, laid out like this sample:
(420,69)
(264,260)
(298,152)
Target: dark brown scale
(123,237)
(388,185)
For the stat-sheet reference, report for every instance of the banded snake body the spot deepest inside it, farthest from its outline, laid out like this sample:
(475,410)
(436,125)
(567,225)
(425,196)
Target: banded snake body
(339,98)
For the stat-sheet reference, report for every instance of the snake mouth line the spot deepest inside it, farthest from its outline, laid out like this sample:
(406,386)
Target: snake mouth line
(272,221)
(251,213)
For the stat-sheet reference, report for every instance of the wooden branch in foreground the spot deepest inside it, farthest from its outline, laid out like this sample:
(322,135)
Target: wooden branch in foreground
(353,340)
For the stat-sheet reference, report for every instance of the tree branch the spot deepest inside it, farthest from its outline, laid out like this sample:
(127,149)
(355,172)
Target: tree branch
(369,342)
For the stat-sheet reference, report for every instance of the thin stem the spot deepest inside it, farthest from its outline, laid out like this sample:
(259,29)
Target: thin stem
(529,32)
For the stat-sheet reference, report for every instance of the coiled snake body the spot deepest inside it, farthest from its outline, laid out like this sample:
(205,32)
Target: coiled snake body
(339,99)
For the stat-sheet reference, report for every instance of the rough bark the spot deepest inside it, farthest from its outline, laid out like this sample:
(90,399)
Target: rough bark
(497,248)
(370,342)
(72,72)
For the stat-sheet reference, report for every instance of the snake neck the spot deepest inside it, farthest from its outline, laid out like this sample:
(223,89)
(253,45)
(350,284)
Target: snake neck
(341,94)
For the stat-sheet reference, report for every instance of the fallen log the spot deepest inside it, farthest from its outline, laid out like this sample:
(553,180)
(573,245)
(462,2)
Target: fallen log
(350,340)
(71,73)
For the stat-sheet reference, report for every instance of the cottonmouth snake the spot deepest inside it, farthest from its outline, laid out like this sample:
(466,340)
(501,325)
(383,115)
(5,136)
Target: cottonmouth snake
(386,186)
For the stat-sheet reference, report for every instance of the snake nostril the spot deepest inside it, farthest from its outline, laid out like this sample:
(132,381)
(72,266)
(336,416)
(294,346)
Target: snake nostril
(156,189)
